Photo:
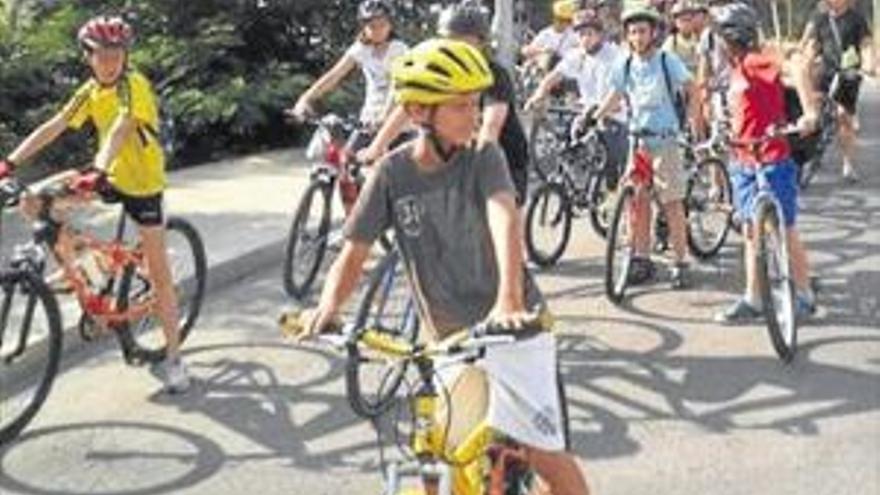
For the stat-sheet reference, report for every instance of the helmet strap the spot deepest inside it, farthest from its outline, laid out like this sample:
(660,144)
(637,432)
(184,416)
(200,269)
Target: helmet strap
(444,152)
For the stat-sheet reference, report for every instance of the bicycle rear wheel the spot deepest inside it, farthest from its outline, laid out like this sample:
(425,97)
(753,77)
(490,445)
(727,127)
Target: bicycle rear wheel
(774,277)
(388,307)
(709,206)
(142,339)
(30,349)
(548,224)
(618,250)
(307,242)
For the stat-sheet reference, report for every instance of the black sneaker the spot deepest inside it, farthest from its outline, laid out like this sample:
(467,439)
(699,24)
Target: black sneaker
(641,271)
(679,276)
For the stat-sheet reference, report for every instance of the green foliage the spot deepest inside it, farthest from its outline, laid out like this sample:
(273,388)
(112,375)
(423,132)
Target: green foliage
(224,70)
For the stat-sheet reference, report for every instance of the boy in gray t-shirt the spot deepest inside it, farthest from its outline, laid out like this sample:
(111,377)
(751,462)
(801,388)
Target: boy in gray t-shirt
(453,210)
(441,224)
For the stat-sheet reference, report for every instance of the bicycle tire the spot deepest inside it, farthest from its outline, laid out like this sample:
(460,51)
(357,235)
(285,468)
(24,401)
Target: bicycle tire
(537,218)
(138,339)
(828,128)
(695,206)
(774,278)
(372,313)
(615,283)
(599,215)
(296,285)
(31,285)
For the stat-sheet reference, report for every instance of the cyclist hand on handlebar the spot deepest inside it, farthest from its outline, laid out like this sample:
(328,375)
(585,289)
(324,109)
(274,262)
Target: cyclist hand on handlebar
(308,323)
(301,111)
(7,167)
(584,122)
(91,180)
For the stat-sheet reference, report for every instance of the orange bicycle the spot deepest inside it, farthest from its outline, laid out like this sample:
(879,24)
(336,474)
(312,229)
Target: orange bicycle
(110,280)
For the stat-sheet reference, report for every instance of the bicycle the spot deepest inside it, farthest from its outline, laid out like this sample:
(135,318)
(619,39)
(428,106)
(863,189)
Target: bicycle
(333,163)
(462,458)
(814,148)
(778,293)
(110,281)
(579,183)
(708,193)
(387,308)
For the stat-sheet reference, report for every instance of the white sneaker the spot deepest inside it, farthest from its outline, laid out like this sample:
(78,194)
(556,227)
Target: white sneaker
(849,173)
(175,376)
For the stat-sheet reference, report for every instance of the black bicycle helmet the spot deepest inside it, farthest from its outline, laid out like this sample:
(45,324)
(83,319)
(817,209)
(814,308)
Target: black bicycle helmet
(737,23)
(370,9)
(464,19)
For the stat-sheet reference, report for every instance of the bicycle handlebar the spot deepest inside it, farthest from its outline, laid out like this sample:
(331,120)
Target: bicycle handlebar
(771,134)
(474,338)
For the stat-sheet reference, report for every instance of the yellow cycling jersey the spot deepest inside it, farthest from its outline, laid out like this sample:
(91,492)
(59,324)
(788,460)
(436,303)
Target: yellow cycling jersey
(139,168)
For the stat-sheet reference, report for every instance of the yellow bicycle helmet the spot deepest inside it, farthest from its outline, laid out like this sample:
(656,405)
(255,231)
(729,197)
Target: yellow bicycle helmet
(564,10)
(437,70)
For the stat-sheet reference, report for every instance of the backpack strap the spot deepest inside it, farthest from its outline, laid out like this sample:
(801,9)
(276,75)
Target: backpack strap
(626,69)
(674,96)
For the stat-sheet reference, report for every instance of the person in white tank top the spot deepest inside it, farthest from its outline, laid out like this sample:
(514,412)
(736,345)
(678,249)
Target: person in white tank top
(373,52)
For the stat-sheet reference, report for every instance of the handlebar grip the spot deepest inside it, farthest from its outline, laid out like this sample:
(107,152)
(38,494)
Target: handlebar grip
(291,324)
(386,343)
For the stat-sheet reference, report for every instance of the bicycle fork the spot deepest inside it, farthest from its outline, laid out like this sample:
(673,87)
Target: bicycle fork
(8,294)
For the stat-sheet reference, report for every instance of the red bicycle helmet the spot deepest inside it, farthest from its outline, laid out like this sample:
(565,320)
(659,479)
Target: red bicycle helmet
(105,32)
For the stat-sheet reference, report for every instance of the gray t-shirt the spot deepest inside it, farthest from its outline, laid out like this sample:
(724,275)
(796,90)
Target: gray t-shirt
(441,226)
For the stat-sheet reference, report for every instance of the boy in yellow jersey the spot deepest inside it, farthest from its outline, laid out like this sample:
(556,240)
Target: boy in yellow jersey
(129,167)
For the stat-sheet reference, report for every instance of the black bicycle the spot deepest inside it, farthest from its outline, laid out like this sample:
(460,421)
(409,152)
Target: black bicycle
(389,310)
(578,176)
(308,239)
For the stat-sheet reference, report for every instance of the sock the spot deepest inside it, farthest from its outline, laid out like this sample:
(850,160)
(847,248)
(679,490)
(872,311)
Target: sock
(753,300)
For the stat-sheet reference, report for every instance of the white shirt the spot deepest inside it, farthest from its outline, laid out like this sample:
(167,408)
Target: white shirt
(377,71)
(592,73)
(560,43)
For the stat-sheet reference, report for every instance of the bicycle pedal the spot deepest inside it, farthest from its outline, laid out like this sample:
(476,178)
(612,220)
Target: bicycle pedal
(135,357)
(89,330)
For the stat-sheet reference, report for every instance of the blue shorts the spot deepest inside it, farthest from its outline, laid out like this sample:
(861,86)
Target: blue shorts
(782,178)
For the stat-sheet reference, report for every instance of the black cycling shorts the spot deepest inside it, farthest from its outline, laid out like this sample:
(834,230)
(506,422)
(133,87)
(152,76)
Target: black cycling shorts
(847,92)
(144,210)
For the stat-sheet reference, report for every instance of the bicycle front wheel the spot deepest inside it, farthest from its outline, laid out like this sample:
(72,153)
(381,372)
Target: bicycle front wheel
(30,349)
(548,224)
(709,206)
(774,277)
(601,204)
(141,339)
(389,307)
(307,242)
(619,250)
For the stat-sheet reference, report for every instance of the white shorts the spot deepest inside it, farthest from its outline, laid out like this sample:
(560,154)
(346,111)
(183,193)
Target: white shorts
(523,393)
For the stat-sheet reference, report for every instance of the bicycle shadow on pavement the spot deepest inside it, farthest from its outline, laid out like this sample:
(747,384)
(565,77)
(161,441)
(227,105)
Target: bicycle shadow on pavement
(304,418)
(147,458)
(614,390)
